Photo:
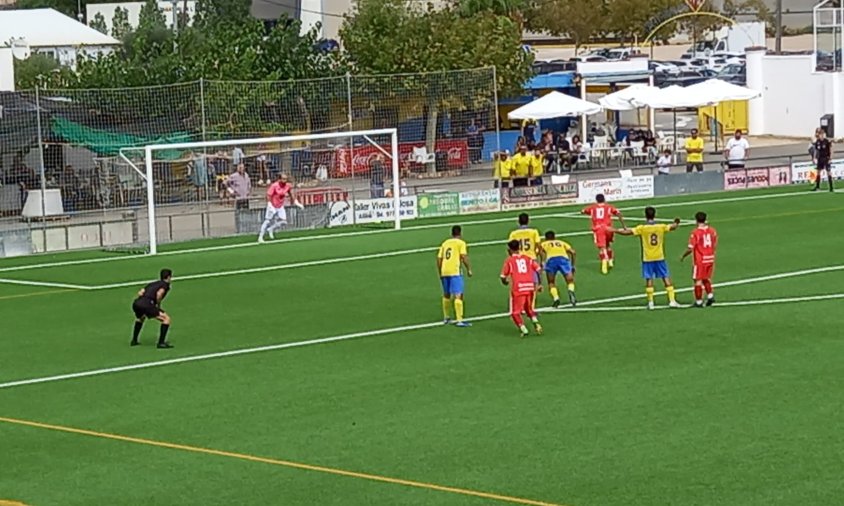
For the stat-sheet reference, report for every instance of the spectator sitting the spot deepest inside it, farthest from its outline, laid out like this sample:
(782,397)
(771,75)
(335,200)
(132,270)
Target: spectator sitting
(501,169)
(520,141)
(650,145)
(575,150)
(520,166)
(663,164)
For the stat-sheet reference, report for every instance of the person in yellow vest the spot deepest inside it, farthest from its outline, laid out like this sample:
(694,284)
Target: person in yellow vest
(501,169)
(537,168)
(520,166)
(694,152)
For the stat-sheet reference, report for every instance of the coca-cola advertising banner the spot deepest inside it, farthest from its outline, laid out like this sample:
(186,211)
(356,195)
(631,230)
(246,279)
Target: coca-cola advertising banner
(356,161)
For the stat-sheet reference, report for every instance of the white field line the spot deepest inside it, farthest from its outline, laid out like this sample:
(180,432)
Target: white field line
(735,303)
(43,283)
(420,326)
(297,265)
(380,231)
(282,240)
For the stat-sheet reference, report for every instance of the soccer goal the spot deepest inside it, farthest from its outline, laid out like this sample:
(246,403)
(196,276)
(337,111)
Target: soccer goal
(199,190)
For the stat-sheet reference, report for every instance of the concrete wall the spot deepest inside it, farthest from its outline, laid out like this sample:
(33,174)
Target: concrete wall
(793,97)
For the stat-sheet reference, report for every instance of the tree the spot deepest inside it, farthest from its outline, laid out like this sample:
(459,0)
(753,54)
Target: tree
(67,7)
(99,23)
(580,20)
(120,26)
(634,20)
(397,36)
(39,71)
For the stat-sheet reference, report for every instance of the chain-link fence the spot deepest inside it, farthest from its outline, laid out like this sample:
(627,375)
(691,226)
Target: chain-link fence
(71,178)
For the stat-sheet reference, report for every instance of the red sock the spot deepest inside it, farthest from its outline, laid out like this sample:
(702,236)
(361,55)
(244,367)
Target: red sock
(707,285)
(698,292)
(601,256)
(609,254)
(517,319)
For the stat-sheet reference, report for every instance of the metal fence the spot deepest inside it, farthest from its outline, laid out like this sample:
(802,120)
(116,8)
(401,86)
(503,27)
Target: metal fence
(64,158)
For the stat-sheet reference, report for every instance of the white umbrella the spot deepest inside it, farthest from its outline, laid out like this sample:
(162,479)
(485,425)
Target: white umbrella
(672,97)
(554,105)
(719,91)
(621,99)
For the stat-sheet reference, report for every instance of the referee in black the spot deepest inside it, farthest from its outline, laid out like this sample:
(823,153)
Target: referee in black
(148,305)
(823,157)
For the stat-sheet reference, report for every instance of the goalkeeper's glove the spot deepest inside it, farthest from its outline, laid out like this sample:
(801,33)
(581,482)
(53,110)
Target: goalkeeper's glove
(298,204)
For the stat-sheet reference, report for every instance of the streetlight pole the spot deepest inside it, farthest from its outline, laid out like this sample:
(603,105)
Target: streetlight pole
(778,45)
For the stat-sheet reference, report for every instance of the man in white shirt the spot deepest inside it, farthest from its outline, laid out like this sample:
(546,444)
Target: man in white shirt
(737,151)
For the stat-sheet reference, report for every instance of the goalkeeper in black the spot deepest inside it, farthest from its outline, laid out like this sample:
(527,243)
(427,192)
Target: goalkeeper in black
(148,305)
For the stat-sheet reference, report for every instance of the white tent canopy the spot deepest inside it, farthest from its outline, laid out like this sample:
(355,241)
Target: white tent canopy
(621,100)
(554,105)
(673,97)
(719,91)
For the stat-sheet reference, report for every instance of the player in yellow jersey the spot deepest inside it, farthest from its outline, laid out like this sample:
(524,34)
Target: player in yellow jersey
(451,255)
(652,235)
(558,257)
(528,237)
(529,240)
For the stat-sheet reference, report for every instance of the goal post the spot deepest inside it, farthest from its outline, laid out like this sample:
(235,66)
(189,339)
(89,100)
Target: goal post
(348,171)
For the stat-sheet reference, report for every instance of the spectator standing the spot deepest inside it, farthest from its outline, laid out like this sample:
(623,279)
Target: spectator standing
(694,152)
(520,168)
(69,184)
(501,169)
(376,177)
(737,151)
(529,130)
(199,174)
(239,186)
(663,163)
(537,168)
(475,139)
(239,157)
(822,158)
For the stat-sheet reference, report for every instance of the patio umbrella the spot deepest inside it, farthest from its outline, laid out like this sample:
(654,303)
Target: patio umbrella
(554,105)
(719,91)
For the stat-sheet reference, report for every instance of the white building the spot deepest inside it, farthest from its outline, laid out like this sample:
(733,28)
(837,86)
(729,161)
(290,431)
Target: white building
(133,11)
(49,32)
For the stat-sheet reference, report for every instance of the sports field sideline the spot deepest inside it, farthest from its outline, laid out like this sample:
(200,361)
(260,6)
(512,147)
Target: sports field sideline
(314,370)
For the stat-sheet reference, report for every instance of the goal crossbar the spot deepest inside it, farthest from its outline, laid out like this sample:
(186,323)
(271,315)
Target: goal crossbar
(150,150)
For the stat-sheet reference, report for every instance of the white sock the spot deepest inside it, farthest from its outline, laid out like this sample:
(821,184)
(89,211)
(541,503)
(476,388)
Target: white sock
(277,225)
(264,227)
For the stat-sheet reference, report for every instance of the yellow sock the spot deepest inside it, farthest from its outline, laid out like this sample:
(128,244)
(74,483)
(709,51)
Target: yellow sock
(458,309)
(555,294)
(649,291)
(604,266)
(446,308)
(670,291)
(570,287)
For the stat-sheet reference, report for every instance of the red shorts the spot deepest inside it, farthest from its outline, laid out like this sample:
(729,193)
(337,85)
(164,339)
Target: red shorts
(602,237)
(522,302)
(702,271)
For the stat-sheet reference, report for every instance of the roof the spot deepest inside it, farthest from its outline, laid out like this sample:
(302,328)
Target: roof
(49,28)
(554,80)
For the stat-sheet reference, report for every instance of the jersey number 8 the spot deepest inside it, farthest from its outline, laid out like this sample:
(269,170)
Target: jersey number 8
(654,240)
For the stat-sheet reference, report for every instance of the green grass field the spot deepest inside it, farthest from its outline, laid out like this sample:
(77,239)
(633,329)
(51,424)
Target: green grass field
(735,405)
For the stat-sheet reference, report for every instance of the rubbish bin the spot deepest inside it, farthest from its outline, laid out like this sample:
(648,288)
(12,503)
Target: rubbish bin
(441,161)
(828,125)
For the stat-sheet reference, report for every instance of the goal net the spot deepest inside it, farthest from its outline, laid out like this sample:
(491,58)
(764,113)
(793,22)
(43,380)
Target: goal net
(217,189)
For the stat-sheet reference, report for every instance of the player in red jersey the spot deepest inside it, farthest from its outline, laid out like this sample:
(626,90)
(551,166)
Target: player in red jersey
(276,216)
(602,215)
(521,272)
(702,243)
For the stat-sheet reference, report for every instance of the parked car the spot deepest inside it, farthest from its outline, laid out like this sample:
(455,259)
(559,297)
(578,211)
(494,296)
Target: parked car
(734,73)
(547,67)
(658,67)
(586,58)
